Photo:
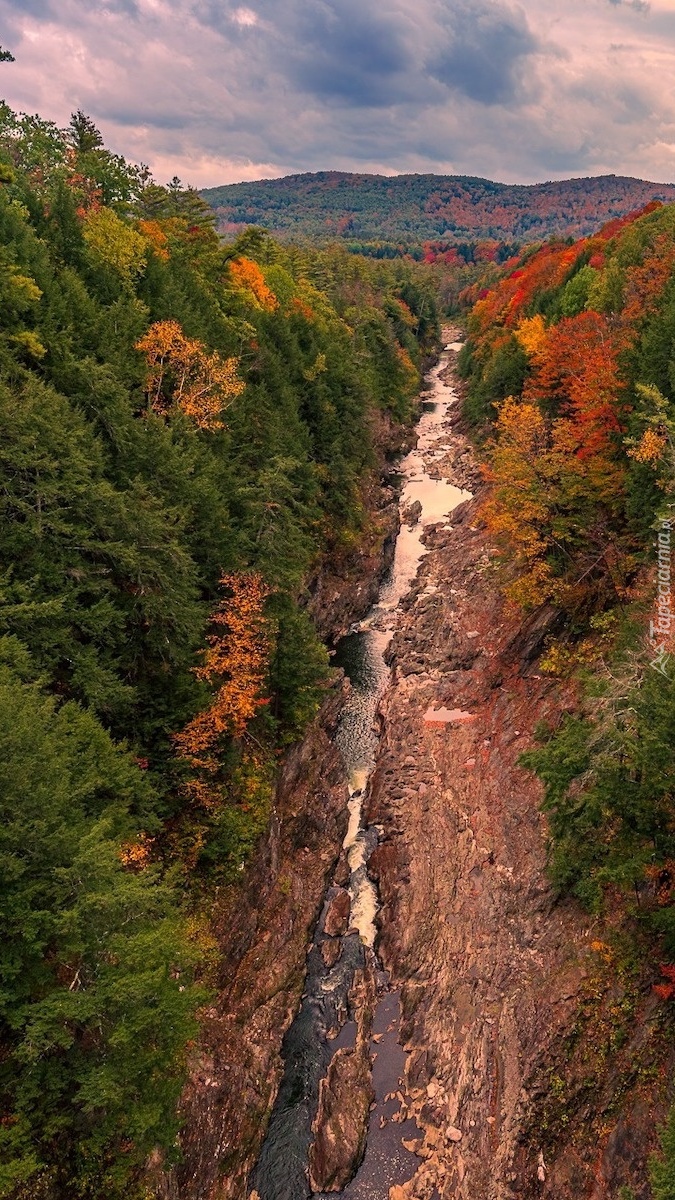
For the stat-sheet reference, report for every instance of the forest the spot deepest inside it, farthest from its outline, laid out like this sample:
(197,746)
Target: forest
(188,428)
(389,215)
(570,371)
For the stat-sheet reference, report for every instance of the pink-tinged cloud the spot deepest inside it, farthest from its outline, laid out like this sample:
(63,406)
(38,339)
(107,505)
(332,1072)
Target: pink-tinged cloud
(218,91)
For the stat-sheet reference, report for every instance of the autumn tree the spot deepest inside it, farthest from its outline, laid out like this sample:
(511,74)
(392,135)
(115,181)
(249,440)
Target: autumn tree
(518,512)
(156,237)
(531,334)
(553,507)
(235,663)
(248,277)
(576,374)
(183,374)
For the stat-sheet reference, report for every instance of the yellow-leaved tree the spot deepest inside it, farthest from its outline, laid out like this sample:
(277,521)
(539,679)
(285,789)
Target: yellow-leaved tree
(183,374)
(531,333)
(518,512)
(112,243)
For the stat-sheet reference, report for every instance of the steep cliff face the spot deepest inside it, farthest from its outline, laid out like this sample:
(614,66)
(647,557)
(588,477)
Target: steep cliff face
(535,1052)
(348,581)
(263,930)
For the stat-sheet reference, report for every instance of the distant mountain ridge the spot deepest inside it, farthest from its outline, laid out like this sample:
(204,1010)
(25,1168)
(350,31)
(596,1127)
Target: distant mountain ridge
(330,205)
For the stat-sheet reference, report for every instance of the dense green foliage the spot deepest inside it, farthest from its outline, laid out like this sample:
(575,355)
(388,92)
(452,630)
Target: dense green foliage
(379,210)
(132,481)
(609,782)
(93,1021)
(663,1168)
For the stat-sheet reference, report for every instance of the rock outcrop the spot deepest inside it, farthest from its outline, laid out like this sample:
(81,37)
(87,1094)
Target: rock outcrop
(347,584)
(336,920)
(345,1096)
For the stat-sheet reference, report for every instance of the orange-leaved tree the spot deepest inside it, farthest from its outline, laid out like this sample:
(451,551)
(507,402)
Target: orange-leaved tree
(666,990)
(247,275)
(553,507)
(235,663)
(156,236)
(575,374)
(183,374)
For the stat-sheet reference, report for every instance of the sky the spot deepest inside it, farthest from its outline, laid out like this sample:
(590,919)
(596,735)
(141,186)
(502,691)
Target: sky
(216,91)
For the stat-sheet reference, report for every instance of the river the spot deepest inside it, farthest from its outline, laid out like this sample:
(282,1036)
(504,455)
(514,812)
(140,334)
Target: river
(324,1022)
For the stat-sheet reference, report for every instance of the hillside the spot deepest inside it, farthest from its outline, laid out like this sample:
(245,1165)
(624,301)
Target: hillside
(418,208)
(196,492)
(189,432)
(570,383)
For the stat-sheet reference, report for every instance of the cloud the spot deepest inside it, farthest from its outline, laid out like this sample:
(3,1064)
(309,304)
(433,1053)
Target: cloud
(487,50)
(220,90)
(638,5)
(245,17)
(345,51)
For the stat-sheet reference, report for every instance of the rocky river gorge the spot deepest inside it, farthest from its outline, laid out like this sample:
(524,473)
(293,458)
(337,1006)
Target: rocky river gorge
(402,991)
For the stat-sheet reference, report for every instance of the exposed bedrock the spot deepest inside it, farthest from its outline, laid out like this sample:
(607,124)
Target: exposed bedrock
(507,1003)
(345,1096)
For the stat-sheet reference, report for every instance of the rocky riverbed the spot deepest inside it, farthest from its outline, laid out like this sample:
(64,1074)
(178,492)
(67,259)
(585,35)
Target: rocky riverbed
(338,1122)
(509,1048)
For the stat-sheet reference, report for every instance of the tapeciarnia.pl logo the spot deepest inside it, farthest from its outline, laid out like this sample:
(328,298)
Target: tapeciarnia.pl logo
(661,628)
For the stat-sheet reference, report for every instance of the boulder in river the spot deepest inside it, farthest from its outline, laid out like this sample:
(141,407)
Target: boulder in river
(341,1126)
(337,916)
(412,513)
(331,949)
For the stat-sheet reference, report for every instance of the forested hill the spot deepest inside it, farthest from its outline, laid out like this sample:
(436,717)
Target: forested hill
(570,370)
(185,434)
(419,208)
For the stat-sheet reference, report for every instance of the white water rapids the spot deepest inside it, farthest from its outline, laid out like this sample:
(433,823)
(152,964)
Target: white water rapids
(362,652)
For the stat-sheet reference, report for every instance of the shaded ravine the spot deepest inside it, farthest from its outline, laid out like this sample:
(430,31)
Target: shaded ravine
(347,1006)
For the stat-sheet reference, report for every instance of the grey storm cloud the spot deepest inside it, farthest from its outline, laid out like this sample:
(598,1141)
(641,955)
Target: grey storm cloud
(219,90)
(343,50)
(487,50)
(637,5)
(340,49)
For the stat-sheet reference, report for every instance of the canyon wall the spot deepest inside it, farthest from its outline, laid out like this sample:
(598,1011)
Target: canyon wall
(263,927)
